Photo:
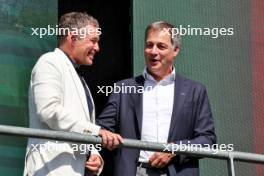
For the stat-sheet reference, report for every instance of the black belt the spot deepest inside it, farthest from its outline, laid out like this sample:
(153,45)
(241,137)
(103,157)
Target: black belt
(163,170)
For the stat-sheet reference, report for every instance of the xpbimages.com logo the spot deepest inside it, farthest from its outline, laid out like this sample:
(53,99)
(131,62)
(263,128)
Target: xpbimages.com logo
(49,30)
(198,31)
(124,89)
(60,147)
(215,148)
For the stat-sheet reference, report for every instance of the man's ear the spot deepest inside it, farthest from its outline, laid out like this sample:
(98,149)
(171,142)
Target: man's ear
(71,39)
(68,38)
(176,51)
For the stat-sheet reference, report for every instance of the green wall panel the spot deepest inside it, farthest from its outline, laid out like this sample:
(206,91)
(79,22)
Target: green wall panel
(19,51)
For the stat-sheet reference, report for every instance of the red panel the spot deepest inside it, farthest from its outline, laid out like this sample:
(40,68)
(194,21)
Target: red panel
(257,58)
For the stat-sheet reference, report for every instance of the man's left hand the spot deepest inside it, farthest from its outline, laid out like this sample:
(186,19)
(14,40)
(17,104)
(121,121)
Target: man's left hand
(160,160)
(93,164)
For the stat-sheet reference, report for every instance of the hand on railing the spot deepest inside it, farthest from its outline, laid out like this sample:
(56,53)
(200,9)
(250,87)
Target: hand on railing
(110,140)
(160,160)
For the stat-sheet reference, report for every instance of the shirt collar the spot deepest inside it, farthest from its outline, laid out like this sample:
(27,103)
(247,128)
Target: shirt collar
(75,65)
(168,79)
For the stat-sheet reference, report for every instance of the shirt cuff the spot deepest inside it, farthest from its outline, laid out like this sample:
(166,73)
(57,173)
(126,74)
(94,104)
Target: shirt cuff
(87,128)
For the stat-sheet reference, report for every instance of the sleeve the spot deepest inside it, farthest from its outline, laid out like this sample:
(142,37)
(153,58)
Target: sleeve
(108,119)
(47,94)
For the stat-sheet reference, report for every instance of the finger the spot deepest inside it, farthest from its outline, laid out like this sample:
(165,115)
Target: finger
(154,162)
(92,158)
(161,163)
(116,141)
(121,140)
(104,138)
(164,159)
(93,164)
(109,141)
(156,159)
(93,169)
(153,157)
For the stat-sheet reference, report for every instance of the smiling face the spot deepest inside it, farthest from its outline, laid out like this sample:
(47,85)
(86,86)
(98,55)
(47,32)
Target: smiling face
(159,54)
(84,49)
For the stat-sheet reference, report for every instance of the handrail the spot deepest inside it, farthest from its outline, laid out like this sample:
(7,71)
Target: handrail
(230,156)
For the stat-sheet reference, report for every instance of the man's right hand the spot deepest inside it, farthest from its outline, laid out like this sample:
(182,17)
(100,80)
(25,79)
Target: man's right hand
(110,140)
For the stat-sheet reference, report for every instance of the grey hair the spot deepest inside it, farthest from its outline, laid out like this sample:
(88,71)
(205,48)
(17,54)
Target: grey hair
(74,20)
(161,25)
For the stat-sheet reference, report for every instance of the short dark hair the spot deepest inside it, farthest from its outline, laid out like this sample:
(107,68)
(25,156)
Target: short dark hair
(74,20)
(161,25)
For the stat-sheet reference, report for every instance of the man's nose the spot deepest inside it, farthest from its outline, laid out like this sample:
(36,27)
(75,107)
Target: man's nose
(154,50)
(96,47)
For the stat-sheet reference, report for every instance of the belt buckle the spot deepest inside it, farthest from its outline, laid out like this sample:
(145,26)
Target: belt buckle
(140,165)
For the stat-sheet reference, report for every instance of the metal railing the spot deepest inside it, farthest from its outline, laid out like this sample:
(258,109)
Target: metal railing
(230,156)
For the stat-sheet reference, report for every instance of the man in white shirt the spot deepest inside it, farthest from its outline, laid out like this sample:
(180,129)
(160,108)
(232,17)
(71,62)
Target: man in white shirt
(171,109)
(59,99)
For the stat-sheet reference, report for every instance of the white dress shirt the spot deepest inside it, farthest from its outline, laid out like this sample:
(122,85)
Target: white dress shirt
(157,110)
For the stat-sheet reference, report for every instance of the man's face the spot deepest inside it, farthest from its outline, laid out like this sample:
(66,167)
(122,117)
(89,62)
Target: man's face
(159,53)
(85,47)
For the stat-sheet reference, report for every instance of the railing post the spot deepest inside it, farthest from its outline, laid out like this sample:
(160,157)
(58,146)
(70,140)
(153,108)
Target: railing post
(230,165)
